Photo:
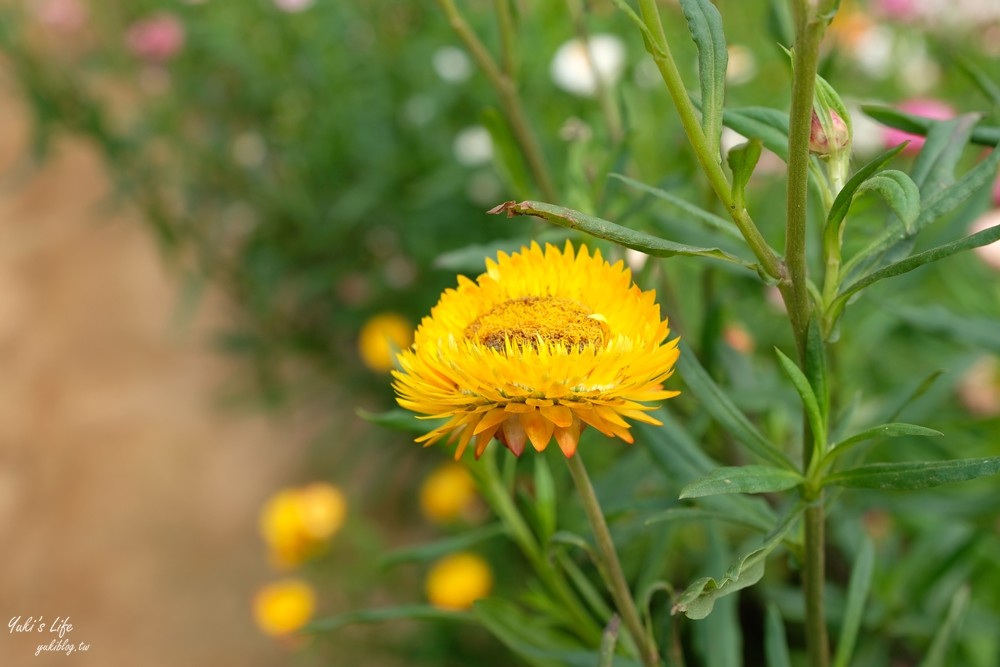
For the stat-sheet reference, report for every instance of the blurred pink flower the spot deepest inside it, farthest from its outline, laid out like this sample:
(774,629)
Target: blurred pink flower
(918,107)
(156,39)
(293,6)
(66,16)
(898,10)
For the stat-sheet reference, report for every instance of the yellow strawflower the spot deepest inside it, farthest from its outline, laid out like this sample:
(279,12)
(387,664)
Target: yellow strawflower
(381,338)
(297,523)
(448,493)
(540,345)
(282,607)
(458,580)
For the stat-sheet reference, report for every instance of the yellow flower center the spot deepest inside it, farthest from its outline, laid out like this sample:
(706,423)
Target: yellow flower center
(532,319)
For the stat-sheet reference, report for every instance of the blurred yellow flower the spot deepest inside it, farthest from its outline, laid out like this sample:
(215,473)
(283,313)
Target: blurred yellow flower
(282,607)
(540,345)
(297,523)
(448,493)
(458,580)
(381,338)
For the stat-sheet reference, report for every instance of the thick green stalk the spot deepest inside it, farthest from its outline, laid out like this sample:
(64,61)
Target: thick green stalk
(612,567)
(810,23)
(813,580)
(510,101)
(710,162)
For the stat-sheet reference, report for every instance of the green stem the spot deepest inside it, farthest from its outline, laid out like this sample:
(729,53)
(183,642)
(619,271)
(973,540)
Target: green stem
(608,556)
(499,499)
(710,162)
(506,25)
(510,100)
(810,22)
(813,579)
(805,62)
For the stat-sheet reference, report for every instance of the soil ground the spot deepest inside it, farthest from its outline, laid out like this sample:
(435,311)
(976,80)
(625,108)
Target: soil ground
(128,497)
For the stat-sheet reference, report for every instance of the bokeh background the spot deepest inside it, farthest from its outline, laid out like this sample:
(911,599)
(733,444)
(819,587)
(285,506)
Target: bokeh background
(203,204)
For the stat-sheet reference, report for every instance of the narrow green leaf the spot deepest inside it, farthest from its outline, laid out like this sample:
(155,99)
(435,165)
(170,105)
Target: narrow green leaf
(681,459)
(914,475)
(702,514)
(724,411)
(697,601)
(470,258)
(396,419)
(545,498)
(981,332)
(768,125)
(536,642)
(937,654)
(587,590)
(808,396)
(981,135)
(976,240)
(775,643)
(609,231)
(652,47)
(857,596)
(893,430)
(934,168)
(816,367)
(437,548)
(715,222)
(742,161)
(899,192)
(742,479)
(845,197)
(918,391)
(705,25)
(981,79)
(406,612)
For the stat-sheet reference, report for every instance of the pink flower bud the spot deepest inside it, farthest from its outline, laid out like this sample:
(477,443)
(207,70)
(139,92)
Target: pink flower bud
(820,143)
(156,39)
(918,107)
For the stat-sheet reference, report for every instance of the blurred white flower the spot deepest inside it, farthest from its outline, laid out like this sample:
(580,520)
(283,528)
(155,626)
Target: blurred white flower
(473,146)
(868,136)
(742,65)
(872,51)
(635,259)
(918,72)
(990,254)
(249,150)
(730,139)
(483,189)
(452,64)
(419,110)
(292,6)
(571,69)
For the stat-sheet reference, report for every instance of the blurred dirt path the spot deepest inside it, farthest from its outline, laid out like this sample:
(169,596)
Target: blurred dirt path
(128,498)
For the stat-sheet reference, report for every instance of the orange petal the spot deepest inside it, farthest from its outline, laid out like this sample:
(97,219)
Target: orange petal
(568,438)
(559,415)
(514,436)
(491,420)
(538,428)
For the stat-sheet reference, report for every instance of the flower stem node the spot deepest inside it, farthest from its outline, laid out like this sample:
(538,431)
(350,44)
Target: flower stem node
(542,344)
